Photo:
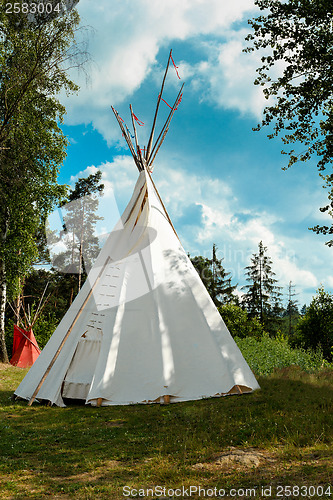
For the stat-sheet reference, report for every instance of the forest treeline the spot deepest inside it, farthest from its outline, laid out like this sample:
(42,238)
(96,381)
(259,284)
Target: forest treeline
(259,308)
(262,306)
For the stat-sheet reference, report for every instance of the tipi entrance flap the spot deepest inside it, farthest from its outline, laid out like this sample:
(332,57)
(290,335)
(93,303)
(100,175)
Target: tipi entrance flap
(80,373)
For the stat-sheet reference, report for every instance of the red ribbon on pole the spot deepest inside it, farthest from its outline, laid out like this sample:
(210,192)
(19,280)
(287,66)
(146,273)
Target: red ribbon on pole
(139,122)
(176,67)
(165,102)
(118,115)
(177,103)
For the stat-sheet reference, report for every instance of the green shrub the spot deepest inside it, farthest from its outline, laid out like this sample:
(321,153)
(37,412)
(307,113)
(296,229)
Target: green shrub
(267,354)
(238,322)
(44,328)
(315,329)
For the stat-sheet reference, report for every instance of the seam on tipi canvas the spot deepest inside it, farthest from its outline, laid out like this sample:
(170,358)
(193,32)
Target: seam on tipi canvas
(125,215)
(141,208)
(135,204)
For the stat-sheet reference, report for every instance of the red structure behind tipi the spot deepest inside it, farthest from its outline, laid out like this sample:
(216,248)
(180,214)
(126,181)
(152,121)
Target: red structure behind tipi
(25,348)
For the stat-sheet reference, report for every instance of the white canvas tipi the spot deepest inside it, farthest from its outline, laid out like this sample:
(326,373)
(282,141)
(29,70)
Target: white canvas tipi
(143,328)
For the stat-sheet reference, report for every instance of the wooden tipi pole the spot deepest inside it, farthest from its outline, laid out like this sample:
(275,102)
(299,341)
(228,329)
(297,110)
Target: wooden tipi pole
(165,129)
(139,153)
(150,142)
(128,140)
(165,210)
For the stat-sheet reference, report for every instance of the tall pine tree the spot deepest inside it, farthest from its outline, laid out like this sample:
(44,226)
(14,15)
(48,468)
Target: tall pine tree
(262,296)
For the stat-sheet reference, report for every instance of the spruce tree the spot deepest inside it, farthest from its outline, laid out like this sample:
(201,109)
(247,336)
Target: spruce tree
(262,296)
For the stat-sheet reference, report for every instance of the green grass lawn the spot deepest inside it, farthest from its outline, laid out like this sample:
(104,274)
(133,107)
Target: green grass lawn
(88,453)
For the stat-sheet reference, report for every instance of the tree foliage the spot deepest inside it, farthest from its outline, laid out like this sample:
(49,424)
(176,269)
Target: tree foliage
(315,328)
(262,296)
(80,222)
(34,61)
(296,39)
(238,322)
(327,230)
(291,311)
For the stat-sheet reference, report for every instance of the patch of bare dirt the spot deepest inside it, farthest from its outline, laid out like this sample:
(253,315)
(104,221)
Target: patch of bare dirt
(235,457)
(94,476)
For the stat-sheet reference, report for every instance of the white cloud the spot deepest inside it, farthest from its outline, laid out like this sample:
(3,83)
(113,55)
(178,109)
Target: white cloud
(121,171)
(330,281)
(84,173)
(126,41)
(237,237)
(226,76)
(237,230)
(231,78)
(288,270)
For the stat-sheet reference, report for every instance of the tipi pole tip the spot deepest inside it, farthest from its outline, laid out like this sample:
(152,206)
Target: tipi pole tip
(165,128)
(150,142)
(139,153)
(127,138)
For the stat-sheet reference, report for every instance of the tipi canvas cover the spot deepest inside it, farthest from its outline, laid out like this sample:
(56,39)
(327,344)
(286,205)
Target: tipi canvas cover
(143,327)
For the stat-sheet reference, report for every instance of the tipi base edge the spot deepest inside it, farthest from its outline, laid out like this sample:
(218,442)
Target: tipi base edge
(236,390)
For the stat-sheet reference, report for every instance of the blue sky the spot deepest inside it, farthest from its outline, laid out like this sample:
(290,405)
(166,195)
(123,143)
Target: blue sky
(222,183)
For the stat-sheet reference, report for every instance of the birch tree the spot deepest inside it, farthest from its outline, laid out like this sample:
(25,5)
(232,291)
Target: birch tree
(34,62)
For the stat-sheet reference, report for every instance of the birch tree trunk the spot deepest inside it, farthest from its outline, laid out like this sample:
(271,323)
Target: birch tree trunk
(3,287)
(3,300)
